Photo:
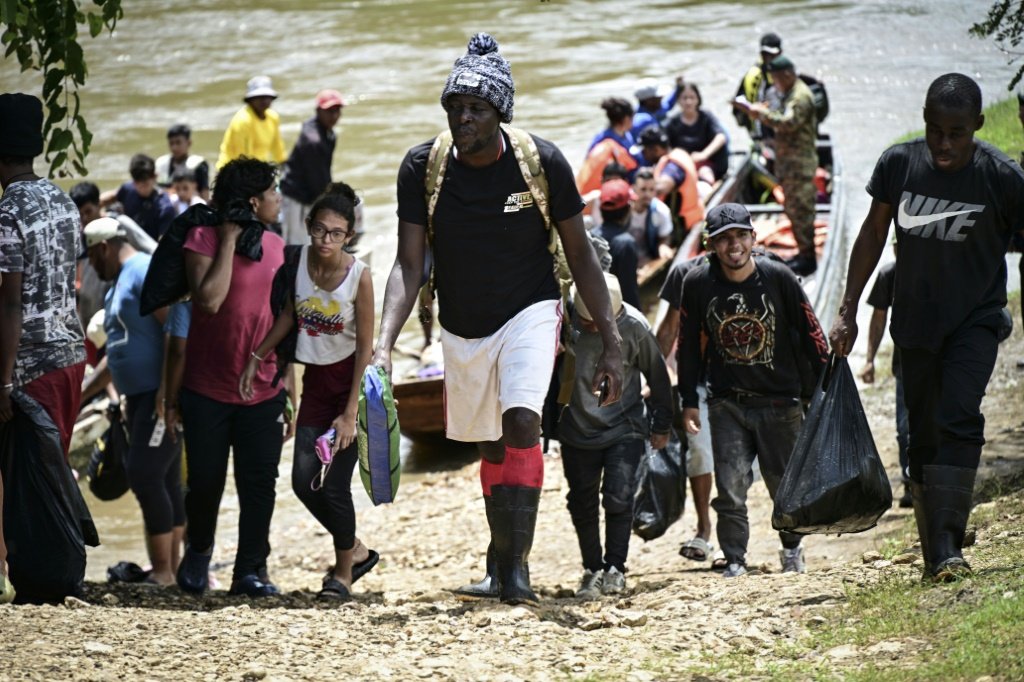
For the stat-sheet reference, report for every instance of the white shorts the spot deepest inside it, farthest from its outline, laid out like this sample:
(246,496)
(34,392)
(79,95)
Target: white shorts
(484,378)
(699,458)
(293,221)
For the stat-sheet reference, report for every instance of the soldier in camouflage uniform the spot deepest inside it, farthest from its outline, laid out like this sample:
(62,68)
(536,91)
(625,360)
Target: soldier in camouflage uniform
(796,157)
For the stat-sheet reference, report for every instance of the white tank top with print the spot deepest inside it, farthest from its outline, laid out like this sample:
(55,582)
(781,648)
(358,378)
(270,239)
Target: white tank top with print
(326,319)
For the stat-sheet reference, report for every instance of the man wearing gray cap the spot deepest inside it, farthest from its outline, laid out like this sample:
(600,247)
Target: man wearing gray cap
(490,225)
(41,339)
(255,129)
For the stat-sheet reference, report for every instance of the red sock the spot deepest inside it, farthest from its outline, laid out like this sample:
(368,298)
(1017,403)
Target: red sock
(490,474)
(523,466)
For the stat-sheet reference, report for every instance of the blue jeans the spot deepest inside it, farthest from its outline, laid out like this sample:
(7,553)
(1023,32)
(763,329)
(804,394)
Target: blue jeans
(583,469)
(739,435)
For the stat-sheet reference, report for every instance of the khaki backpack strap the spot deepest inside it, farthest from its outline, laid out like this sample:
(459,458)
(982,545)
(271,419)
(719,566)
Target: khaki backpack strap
(437,162)
(528,157)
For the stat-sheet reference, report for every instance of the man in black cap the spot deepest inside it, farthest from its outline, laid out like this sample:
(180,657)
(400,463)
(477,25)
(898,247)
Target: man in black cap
(760,329)
(474,195)
(41,341)
(756,82)
(795,126)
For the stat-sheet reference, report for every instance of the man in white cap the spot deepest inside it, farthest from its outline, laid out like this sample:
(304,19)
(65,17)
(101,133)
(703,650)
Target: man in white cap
(307,173)
(490,227)
(255,129)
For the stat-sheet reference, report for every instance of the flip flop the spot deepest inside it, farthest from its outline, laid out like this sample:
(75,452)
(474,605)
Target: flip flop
(697,549)
(364,566)
(719,563)
(334,590)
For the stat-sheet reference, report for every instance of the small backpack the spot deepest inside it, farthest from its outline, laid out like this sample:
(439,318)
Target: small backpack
(817,89)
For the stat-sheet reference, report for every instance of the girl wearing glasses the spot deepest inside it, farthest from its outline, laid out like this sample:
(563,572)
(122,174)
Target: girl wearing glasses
(325,321)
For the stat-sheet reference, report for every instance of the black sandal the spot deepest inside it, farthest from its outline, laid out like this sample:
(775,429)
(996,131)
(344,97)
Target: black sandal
(334,590)
(364,566)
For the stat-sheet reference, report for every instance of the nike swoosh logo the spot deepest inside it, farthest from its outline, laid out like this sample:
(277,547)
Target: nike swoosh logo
(909,222)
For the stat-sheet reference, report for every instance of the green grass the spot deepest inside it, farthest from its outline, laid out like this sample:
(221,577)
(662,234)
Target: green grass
(959,631)
(1002,128)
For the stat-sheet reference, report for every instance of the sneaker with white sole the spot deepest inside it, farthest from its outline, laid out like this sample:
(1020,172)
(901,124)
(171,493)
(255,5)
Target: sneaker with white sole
(590,585)
(613,582)
(734,570)
(792,560)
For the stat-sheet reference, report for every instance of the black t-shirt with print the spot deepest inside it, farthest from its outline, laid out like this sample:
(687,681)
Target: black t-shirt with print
(952,231)
(490,247)
(760,332)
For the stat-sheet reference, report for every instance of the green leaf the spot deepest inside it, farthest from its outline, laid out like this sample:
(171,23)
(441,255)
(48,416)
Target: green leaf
(84,133)
(80,168)
(52,81)
(74,62)
(95,24)
(60,141)
(57,162)
(8,11)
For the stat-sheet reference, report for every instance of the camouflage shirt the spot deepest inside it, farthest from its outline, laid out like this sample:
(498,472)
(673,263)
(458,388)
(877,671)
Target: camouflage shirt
(39,237)
(796,130)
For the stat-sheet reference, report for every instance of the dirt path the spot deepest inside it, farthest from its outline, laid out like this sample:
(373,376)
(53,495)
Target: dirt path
(405,625)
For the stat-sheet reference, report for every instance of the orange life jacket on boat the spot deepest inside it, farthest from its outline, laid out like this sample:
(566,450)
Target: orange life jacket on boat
(691,208)
(601,154)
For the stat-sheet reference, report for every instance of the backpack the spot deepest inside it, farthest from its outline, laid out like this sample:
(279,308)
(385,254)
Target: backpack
(528,157)
(817,89)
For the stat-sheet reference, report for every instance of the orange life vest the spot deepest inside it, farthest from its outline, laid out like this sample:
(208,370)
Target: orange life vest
(601,154)
(691,208)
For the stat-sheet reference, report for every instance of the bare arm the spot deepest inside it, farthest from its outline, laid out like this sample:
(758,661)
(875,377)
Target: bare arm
(402,289)
(717,142)
(345,424)
(867,249)
(283,324)
(209,279)
(589,279)
(10,336)
(668,330)
(875,332)
(174,373)
(97,381)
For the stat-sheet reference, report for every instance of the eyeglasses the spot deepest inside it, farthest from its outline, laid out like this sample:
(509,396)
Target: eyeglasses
(318,231)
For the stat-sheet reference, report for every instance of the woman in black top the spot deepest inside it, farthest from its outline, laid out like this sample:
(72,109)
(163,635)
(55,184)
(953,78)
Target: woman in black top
(700,133)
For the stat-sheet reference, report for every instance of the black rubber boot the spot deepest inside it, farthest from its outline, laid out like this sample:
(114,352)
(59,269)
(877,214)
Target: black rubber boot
(488,587)
(948,492)
(515,520)
(920,515)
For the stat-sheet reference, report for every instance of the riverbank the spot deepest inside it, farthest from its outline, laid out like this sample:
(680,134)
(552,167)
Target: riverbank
(858,613)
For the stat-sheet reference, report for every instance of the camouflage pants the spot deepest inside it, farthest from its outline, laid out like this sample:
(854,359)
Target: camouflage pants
(800,199)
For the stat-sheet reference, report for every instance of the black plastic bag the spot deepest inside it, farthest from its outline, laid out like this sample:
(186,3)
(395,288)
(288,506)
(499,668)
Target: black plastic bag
(46,522)
(661,490)
(835,481)
(108,478)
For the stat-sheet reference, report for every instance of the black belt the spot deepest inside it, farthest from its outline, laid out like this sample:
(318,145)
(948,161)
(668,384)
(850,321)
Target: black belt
(751,400)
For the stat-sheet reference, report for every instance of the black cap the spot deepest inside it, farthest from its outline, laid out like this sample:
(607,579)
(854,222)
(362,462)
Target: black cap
(21,125)
(782,63)
(726,216)
(771,43)
(653,135)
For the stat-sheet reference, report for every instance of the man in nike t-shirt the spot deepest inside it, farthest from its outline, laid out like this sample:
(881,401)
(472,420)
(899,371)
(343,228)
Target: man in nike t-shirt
(956,202)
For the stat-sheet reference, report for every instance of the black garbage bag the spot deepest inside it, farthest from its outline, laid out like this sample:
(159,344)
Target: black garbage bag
(46,522)
(835,481)
(166,281)
(661,490)
(107,476)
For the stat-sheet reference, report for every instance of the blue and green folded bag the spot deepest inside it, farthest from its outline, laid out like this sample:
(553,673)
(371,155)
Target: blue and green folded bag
(378,437)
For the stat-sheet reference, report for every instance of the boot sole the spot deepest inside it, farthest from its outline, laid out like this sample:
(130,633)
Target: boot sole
(515,601)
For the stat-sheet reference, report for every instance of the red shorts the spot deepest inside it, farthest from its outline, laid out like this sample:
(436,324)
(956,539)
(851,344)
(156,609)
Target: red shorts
(60,394)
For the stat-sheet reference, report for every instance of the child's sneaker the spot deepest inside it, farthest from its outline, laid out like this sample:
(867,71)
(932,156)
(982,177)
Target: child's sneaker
(613,581)
(590,585)
(792,560)
(734,570)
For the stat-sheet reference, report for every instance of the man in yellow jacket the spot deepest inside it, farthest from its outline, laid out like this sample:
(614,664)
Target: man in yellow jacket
(255,129)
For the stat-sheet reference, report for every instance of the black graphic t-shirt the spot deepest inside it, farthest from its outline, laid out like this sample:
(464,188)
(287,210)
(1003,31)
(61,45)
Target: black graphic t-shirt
(490,249)
(758,330)
(952,230)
